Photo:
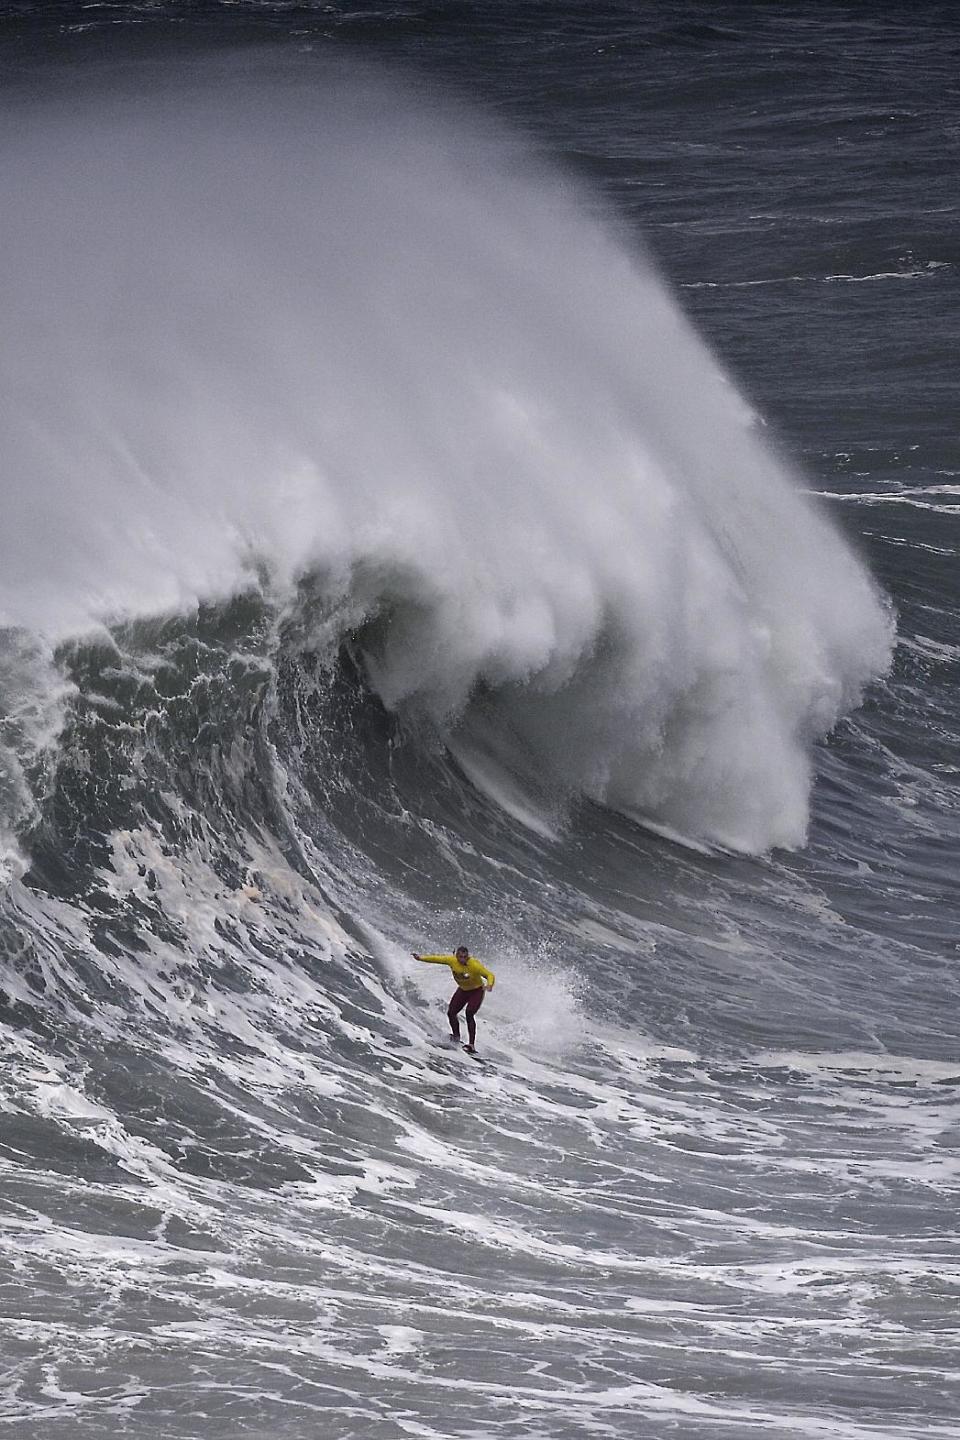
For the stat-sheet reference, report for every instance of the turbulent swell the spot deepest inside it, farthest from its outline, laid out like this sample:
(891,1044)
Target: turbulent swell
(274,329)
(359,472)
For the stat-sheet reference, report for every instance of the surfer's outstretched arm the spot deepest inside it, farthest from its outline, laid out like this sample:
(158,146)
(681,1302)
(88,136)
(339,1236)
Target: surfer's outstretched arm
(434,959)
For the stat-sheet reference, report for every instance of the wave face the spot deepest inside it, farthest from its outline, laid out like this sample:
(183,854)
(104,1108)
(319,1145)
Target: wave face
(267,320)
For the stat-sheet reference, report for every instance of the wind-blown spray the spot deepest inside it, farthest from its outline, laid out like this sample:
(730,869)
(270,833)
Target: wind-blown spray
(272,318)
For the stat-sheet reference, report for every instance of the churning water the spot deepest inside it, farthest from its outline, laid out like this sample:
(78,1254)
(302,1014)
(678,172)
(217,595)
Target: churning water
(390,558)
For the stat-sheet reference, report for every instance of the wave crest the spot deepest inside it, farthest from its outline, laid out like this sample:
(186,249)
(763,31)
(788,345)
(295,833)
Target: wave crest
(279,315)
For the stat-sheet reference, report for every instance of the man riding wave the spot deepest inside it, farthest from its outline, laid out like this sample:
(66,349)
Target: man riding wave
(473,981)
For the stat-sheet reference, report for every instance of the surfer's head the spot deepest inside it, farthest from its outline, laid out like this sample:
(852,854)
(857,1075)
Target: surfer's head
(462,954)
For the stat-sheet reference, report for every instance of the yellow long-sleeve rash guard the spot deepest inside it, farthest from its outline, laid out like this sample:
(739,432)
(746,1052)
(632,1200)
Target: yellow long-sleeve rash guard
(469,976)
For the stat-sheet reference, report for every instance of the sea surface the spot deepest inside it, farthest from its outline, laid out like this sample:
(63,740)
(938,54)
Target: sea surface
(487,474)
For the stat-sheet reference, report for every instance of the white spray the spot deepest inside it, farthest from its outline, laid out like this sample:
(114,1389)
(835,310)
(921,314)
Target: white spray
(272,313)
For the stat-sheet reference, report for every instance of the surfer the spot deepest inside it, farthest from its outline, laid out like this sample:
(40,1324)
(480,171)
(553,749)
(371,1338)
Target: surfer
(473,982)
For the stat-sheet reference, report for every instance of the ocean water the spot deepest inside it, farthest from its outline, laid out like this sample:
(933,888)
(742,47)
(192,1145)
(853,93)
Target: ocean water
(479,474)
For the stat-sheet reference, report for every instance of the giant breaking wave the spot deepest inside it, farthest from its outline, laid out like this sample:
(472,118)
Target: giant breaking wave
(282,327)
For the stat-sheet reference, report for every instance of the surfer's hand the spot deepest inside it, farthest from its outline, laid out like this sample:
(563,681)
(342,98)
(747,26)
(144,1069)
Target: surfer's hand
(414,954)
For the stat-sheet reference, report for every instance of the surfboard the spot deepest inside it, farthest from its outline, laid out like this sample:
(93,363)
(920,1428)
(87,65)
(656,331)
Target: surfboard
(451,1049)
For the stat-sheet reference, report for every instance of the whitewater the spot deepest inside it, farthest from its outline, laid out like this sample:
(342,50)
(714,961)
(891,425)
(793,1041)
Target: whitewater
(390,559)
(296,325)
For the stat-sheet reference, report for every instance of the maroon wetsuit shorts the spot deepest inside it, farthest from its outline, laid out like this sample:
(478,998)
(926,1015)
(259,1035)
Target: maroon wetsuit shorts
(472,999)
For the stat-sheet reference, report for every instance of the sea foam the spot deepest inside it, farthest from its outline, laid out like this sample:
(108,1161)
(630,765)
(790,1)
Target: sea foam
(273,319)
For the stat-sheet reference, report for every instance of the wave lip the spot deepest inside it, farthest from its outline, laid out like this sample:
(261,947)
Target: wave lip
(272,316)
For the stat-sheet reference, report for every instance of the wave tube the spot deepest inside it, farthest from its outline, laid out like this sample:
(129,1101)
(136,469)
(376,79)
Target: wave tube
(269,322)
